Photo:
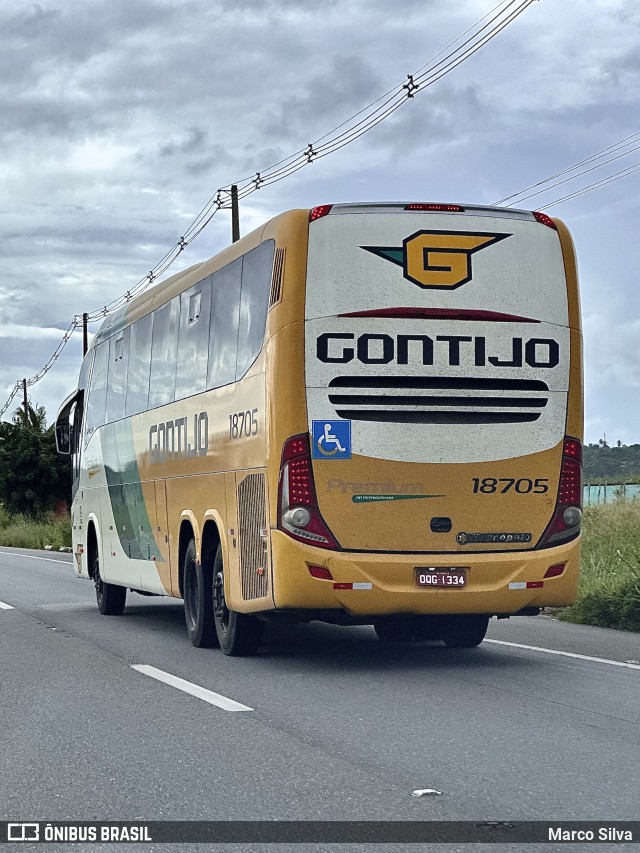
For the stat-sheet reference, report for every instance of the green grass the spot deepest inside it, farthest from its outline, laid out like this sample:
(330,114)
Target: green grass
(17,531)
(609,588)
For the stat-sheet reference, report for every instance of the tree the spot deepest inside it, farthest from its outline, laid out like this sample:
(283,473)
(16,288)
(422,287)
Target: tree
(33,476)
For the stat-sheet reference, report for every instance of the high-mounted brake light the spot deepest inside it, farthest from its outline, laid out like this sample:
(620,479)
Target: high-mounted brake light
(298,512)
(319,211)
(446,208)
(545,220)
(565,524)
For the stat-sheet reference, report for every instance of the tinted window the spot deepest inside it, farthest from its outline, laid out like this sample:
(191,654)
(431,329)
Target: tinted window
(98,392)
(193,339)
(139,366)
(223,338)
(164,346)
(117,378)
(257,266)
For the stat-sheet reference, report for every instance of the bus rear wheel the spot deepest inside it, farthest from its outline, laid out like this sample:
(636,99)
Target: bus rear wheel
(110,598)
(238,633)
(464,632)
(198,600)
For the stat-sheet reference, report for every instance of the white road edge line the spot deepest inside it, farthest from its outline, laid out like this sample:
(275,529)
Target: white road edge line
(4,606)
(565,654)
(188,687)
(44,559)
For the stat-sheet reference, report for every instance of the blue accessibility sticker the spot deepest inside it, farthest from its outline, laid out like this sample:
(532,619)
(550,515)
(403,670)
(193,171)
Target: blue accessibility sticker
(331,439)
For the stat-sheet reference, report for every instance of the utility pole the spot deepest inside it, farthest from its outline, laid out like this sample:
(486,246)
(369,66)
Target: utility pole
(235,214)
(25,402)
(85,333)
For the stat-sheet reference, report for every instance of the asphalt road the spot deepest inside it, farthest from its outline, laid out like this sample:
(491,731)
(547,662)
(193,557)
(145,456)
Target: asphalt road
(340,727)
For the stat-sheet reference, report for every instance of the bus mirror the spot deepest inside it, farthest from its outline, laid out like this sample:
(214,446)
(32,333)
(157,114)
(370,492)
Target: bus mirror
(63,437)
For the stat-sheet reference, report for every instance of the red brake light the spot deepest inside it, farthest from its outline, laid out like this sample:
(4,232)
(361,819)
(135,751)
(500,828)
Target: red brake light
(298,512)
(446,208)
(565,523)
(319,211)
(572,448)
(545,220)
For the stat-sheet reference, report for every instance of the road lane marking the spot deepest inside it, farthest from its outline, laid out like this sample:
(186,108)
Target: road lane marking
(193,689)
(4,606)
(44,559)
(564,654)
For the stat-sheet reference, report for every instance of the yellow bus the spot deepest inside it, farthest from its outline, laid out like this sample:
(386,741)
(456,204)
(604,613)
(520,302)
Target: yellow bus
(359,413)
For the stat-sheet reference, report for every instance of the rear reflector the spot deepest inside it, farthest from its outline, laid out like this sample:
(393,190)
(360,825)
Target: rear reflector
(554,571)
(319,211)
(545,220)
(321,573)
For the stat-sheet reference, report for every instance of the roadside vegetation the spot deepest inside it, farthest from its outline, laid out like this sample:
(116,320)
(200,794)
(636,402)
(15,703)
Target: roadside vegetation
(35,482)
(49,531)
(609,591)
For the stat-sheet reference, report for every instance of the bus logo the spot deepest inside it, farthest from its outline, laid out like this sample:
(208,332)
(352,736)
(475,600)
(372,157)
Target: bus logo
(331,439)
(437,259)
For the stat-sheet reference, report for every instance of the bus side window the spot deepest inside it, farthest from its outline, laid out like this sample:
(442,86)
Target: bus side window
(223,334)
(98,390)
(139,366)
(117,378)
(164,346)
(193,339)
(257,267)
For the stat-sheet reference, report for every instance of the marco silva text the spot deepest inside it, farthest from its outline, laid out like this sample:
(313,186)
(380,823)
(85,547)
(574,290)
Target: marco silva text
(601,833)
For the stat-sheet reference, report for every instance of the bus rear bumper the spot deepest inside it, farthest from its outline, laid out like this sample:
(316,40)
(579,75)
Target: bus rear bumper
(369,584)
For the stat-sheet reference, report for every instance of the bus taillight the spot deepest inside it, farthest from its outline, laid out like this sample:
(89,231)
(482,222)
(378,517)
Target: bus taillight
(298,512)
(319,211)
(544,219)
(565,524)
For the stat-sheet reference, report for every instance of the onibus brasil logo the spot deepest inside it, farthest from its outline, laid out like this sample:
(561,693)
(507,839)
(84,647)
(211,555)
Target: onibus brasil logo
(437,259)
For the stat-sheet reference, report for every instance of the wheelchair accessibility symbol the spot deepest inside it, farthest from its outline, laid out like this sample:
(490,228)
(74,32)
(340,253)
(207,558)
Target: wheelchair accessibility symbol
(331,439)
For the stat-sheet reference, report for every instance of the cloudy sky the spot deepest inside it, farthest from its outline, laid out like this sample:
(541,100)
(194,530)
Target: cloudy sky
(121,119)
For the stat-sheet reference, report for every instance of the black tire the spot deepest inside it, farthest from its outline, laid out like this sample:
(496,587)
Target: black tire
(395,629)
(198,600)
(238,633)
(111,598)
(464,632)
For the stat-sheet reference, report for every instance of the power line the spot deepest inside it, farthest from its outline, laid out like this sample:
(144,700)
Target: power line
(609,180)
(477,36)
(545,185)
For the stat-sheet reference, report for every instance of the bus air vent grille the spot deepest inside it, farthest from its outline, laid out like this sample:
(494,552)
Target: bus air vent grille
(437,399)
(276,279)
(253,542)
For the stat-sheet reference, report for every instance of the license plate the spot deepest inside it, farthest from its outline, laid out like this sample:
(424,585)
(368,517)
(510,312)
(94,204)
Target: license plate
(441,577)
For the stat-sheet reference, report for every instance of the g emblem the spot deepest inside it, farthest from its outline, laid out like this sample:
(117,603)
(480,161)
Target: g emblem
(442,259)
(437,259)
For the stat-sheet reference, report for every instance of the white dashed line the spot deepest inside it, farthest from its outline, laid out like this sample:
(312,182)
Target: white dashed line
(565,654)
(4,606)
(193,689)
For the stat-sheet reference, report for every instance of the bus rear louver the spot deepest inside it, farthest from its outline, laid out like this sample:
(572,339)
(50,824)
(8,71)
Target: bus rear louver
(437,400)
